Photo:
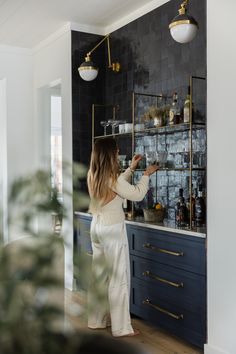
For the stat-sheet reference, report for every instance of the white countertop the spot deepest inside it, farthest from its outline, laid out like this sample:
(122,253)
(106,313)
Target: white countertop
(157,227)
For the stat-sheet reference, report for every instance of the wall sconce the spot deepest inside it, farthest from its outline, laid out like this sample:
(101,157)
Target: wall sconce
(88,71)
(183,28)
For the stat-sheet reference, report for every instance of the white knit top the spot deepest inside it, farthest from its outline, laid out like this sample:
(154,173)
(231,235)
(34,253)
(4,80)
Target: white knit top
(112,212)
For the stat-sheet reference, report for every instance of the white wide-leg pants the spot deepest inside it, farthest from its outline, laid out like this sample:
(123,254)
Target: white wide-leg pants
(110,286)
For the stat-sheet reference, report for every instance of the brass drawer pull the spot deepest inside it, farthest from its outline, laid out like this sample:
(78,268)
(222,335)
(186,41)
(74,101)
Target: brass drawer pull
(173,315)
(157,249)
(89,254)
(153,276)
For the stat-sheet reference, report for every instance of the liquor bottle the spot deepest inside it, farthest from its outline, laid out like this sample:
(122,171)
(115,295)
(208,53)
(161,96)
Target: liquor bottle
(127,207)
(178,117)
(190,204)
(200,208)
(187,108)
(173,114)
(181,210)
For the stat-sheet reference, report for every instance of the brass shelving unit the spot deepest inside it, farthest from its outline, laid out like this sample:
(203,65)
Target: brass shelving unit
(182,127)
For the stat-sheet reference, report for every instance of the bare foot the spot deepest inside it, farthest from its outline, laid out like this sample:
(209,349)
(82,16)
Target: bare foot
(135,333)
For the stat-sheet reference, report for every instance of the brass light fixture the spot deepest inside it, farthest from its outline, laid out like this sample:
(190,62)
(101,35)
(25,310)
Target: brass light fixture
(88,71)
(183,28)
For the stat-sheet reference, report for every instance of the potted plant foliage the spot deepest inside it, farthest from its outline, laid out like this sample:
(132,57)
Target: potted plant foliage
(31,278)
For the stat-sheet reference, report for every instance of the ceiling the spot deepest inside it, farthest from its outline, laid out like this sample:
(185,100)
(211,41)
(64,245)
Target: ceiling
(25,23)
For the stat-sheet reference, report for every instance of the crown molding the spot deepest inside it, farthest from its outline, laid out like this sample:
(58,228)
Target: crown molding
(53,37)
(100,30)
(79,27)
(135,15)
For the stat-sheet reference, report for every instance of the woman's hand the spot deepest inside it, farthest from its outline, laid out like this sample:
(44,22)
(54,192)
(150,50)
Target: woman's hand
(150,170)
(135,161)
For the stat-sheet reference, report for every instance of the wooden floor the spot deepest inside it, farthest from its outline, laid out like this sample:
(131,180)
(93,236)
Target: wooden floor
(152,339)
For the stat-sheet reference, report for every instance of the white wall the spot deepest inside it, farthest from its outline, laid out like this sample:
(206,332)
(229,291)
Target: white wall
(3,163)
(17,154)
(221,177)
(52,63)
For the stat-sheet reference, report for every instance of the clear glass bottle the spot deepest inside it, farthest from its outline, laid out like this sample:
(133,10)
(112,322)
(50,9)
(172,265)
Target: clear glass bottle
(173,110)
(187,109)
(127,207)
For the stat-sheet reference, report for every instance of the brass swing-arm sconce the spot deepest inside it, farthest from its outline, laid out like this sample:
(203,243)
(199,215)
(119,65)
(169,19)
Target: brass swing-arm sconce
(183,28)
(88,71)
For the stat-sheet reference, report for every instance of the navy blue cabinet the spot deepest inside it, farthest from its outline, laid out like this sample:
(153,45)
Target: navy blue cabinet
(82,251)
(168,281)
(168,277)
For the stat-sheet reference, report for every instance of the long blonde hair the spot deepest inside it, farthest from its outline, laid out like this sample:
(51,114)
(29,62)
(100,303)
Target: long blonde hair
(104,169)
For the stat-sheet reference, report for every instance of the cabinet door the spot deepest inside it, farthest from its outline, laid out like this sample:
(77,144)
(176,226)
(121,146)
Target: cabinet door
(83,240)
(82,252)
(180,251)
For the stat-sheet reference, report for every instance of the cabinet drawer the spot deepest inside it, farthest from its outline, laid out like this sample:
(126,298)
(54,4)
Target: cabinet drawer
(189,325)
(174,285)
(181,251)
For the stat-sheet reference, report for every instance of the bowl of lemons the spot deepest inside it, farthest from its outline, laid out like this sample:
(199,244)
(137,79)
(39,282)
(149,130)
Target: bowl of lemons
(154,214)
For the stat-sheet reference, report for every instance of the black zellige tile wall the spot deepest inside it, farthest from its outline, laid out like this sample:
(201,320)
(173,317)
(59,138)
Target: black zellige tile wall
(151,62)
(84,94)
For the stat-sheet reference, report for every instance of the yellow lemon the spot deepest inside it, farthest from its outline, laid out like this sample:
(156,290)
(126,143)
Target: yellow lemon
(158,206)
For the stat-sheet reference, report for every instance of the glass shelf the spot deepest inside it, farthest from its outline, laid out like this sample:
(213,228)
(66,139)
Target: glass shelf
(175,169)
(113,135)
(167,169)
(169,129)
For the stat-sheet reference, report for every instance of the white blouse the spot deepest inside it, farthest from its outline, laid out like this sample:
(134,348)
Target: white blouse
(112,212)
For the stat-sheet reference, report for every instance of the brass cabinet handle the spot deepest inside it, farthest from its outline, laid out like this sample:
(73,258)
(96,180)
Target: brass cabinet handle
(157,249)
(147,273)
(171,314)
(89,254)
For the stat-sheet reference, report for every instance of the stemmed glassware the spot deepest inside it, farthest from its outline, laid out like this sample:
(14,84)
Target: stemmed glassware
(105,124)
(114,123)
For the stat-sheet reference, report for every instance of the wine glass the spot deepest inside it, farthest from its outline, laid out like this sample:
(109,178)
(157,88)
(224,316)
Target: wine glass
(114,123)
(105,124)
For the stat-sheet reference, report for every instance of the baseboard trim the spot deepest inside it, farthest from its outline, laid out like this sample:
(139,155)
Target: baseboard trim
(209,349)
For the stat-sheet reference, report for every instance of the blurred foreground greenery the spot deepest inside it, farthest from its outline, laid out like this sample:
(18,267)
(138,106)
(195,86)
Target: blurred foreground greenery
(31,322)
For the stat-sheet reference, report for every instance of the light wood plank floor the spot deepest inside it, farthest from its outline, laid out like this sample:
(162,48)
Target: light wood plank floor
(152,339)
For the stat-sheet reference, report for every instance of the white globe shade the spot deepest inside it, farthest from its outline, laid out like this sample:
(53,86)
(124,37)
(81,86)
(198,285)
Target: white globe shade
(183,33)
(88,74)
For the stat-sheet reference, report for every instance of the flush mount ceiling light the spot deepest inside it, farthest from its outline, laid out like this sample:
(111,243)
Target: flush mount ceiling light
(88,70)
(183,28)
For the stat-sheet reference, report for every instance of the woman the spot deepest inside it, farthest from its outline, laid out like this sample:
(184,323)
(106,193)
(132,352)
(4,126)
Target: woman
(111,265)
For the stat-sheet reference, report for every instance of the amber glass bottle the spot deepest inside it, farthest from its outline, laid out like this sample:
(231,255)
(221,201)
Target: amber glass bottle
(181,213)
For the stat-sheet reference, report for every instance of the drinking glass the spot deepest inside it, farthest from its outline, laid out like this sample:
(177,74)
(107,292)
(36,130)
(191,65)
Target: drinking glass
(151,157)
(105,124)
(114,123)
(162,158)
